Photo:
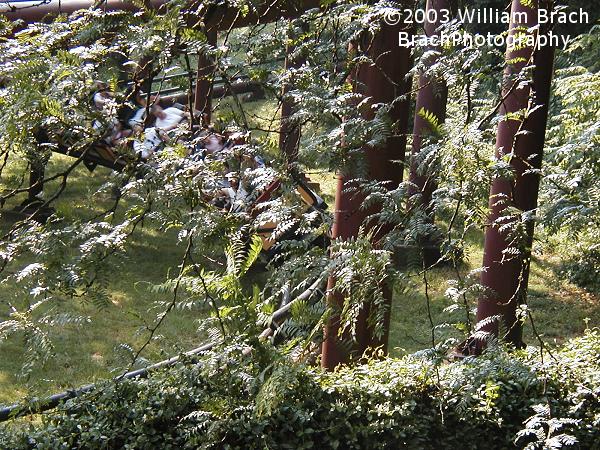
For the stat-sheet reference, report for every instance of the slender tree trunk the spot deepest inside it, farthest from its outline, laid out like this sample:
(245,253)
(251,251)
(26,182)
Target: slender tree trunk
(204,82)
(37,171)
(289,131)
(36,182)
(431,98)
(383,83)
(506,276)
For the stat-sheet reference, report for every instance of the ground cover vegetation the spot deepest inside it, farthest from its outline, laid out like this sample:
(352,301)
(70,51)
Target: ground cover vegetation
(152,233)
(230,399)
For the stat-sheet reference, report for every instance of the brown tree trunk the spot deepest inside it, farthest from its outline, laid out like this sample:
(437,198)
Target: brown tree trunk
(289,131)
(431,98)
(383,83)
(204,81)
(36,182)
(506,276)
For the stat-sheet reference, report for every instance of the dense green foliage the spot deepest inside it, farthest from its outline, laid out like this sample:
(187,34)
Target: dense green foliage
(228,400)
(571,195)
(261,399)
(49,73)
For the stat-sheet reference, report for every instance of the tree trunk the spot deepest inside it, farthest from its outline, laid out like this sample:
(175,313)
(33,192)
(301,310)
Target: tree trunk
(506,276)
(383,83)
(36,182)
(289,130)
(204,81)
(431,98)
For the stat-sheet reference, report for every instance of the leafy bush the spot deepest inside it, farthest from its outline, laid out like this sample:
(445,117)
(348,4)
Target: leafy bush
(584,268)
(233,399)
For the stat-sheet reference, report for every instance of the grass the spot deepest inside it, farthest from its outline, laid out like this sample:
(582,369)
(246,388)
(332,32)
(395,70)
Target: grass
(93,351)
(86,353)
(560,309)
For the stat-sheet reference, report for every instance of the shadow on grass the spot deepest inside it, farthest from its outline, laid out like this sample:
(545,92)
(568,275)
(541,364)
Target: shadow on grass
(86,353)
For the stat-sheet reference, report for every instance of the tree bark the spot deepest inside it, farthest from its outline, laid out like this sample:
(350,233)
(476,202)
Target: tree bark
(431,98)
(289,130)
(522,141)
(382,83)
(204,81)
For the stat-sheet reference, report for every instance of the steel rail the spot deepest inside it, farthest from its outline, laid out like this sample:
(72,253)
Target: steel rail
(39,406)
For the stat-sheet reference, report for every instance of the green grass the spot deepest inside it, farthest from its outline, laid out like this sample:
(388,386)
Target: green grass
(86,353)
(91,352)
(560,309)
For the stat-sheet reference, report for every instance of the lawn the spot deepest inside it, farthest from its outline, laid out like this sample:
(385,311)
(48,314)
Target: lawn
(85,353)
(560,310)
(103,347)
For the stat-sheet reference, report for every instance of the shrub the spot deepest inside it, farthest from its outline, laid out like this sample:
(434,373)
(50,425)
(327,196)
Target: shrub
(584,268)
(228,400)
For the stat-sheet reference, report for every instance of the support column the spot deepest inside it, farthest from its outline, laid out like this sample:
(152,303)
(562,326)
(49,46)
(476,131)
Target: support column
(523,140)
(431,98)
(204,81)
(383,83)
(37,171)
(36,182)
(289,131)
